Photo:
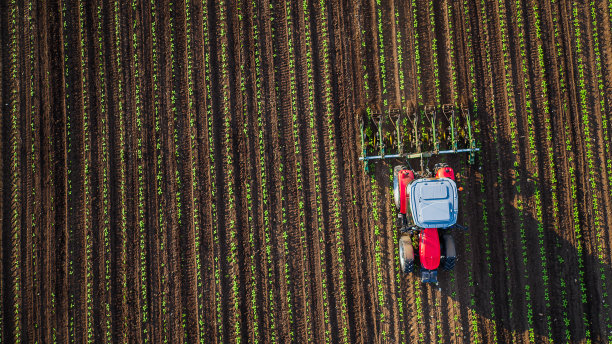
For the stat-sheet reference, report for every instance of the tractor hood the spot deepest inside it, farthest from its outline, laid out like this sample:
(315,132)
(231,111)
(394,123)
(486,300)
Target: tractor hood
(433,202)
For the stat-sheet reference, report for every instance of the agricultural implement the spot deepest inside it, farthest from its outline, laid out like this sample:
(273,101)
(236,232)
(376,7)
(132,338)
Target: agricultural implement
(427,202)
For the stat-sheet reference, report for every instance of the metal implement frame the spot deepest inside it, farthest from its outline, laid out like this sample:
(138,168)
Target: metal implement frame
(428,115)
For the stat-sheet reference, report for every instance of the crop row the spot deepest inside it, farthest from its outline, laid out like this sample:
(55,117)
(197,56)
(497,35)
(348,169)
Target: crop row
(122,170)
(296,150)
(333,169)
(588,144)
(316,164)
(86,178)
(572,178)
(533,151)
(144,304)
(606,148)
(161,220)
(105,179)
(472,88)
(261,170)
(515,151)
(69,166)
(402,86)
(15,189)
(282,238)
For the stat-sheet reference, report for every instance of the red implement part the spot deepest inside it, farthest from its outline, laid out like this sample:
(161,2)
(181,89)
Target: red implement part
(445,172)
(405,177)
(429,248)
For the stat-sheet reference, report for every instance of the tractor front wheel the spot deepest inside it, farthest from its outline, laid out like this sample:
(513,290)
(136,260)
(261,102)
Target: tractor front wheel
(406,254)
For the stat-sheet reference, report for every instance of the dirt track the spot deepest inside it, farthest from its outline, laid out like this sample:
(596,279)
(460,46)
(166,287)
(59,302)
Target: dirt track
(188,171)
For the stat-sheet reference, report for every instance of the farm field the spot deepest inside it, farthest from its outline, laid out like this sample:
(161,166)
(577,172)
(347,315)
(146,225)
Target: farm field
(188,171)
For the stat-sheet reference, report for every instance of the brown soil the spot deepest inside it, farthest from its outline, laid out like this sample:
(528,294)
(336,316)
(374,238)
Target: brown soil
(188,171)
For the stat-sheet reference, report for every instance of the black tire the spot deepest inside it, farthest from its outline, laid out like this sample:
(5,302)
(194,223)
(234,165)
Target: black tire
(449,263)
(406,254)
(450,252)
(396,190)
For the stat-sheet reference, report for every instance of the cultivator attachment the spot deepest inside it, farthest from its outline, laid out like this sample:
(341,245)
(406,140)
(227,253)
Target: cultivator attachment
(421,133)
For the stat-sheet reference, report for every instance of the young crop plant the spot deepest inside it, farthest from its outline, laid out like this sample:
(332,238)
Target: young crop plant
(161,221)
(122,169)
(261,171)
(229,174)
(434,50)
(33,168)
(140,212)
(417,55)
(87,179)
(332,158)
(559,259)
(15,178)
(105,180)
(535,176)
(65,32)
(485,221)
(472,82)
(588,143)
(195,173)
(608,163)
(315,165)
(515,151)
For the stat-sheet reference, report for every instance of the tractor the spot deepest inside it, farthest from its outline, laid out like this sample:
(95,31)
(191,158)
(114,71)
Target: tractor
(426,201)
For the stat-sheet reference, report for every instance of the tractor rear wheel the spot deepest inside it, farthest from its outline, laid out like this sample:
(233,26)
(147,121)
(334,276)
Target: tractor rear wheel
(406,254)
(396,190)
(450,252)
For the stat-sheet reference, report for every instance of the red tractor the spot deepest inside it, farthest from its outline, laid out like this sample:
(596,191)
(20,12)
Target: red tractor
(427,210)
(427,202)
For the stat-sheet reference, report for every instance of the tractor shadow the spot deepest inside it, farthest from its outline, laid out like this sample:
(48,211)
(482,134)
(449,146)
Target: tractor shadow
(518,274)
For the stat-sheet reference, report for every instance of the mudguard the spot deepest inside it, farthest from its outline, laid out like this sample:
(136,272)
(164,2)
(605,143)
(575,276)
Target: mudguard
(429,248)
(404,177)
